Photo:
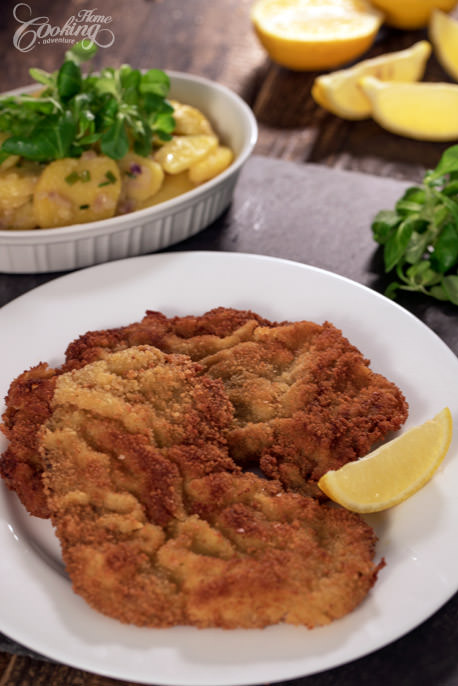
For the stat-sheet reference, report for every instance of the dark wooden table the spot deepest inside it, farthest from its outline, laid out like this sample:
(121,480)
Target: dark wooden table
(214,39)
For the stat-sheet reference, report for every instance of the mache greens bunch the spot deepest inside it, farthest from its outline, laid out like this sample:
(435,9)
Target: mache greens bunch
(420,236)
(116,109)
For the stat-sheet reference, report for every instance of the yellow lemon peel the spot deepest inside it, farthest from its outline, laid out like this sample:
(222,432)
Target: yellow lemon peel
(443,31)
(315,34)
(411,14)
(394,471)
(422,111)
(340,92)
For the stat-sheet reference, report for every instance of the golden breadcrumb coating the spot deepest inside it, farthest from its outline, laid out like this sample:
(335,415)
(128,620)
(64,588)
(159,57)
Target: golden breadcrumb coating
(158,526)
(27,408)
(305,399)
(27,402)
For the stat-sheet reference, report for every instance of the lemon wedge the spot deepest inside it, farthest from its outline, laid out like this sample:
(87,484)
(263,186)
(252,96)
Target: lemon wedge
(443,31)
(315,34)
(394,471)
(411,14)
(423,111)
(340,92)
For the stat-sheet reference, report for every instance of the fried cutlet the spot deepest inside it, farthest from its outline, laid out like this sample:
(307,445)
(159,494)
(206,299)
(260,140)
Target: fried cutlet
(158,526)
(305,399)
(28,399)
(196,336)
(27,408)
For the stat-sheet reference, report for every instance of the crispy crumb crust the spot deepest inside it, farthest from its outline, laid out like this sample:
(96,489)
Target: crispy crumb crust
(305,399)
(158,525)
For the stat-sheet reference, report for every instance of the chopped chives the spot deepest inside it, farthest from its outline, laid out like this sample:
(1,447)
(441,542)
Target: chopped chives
(83,176)
(72,178)
(110,178)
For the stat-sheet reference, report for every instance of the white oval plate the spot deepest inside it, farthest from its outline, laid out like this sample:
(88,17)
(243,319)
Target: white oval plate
(417,538)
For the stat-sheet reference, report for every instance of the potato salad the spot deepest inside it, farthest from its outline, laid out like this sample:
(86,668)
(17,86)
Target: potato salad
(87,148)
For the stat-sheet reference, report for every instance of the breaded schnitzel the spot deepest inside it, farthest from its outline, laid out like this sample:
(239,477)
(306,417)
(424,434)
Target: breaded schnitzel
(27,402)
(305,399)
(27,408)
(158,526)
(196,336)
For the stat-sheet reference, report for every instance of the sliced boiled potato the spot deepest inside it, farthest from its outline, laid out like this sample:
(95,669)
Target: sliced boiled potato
(142,178)
(213,164)
(181,152)
(17,187)
(74,191)
(11,160)
(174,184)
(189,120)
(23,217)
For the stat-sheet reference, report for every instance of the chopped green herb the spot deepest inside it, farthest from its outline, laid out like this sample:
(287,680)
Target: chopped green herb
(420,236)
(116,108)
(83,176)
(110,178)
(84,207)
(72,178)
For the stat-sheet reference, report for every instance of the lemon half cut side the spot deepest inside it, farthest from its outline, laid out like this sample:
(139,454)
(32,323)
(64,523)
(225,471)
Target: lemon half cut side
(340,92)
(315,34)
(393,472)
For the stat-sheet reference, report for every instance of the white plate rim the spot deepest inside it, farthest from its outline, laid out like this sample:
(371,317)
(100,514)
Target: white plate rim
(299,653)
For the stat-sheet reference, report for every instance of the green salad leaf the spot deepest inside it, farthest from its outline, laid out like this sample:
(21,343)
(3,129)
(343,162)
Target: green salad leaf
(70,112)
(420,236)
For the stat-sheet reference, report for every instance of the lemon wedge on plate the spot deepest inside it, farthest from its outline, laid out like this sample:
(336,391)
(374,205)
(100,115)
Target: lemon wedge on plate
(340,92)
(315,34)
(443,31)
(411,14)
(394,471)
(423,111)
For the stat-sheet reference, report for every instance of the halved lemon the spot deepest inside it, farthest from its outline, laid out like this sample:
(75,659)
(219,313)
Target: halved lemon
(315,34)
(411,14)
(423,111)
(340,92)
(443,31)
(394,471)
